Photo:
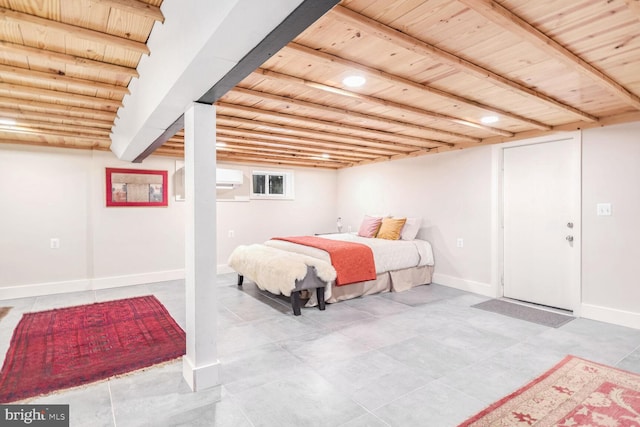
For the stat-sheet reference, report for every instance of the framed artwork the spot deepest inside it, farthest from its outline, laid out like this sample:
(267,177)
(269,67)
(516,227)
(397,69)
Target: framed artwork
(136,187)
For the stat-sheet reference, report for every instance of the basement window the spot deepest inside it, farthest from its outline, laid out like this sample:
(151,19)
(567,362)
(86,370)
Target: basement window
(272,185)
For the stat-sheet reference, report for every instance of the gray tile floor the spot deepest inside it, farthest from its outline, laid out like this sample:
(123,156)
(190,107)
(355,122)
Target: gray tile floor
(418,358)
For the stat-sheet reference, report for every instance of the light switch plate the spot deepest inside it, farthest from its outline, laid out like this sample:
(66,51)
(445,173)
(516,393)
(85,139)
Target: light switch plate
(604,209)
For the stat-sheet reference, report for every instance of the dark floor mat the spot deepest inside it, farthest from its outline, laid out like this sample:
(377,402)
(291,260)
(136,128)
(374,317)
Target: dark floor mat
(523,312)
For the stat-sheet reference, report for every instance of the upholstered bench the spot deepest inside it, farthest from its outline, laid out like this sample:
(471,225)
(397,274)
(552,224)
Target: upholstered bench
(282,272)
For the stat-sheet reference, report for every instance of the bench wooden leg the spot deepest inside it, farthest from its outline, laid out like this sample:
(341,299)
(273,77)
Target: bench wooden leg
(240,279)
(320,294)
(295,302)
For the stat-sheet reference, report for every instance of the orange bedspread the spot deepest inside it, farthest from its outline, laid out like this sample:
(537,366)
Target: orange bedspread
(353,261)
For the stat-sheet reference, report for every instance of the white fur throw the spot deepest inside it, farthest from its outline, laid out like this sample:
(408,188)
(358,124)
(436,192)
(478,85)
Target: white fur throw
(275,270)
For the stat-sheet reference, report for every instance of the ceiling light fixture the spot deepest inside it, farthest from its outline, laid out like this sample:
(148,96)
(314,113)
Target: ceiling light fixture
(326,156)
(489,119)
(354,81)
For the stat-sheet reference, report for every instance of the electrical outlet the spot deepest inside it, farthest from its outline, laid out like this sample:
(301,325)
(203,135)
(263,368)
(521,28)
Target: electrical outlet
(231,233)
(604,209)
(55,243)
(460,242)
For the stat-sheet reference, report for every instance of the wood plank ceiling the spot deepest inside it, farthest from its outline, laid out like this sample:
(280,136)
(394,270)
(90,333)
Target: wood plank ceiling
(437,72)
(65,66)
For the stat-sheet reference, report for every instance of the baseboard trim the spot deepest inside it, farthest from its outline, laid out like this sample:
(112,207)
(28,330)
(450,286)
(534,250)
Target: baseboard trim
(49,288)
(485,289)
(611,315)
(39,289)
(137,279)
(201,377)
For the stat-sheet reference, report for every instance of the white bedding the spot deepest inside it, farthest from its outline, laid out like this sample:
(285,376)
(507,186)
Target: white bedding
(388,255)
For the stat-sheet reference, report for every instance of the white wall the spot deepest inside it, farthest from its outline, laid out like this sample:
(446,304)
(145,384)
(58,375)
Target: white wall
(610,250)
(34,207)
(312,211)
(131,240)
(60,193)
(451,192)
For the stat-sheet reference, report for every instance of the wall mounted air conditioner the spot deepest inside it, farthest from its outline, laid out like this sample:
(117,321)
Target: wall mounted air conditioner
(228,178)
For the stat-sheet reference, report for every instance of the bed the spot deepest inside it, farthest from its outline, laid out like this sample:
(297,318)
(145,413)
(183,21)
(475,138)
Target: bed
(383,256)
(399,265)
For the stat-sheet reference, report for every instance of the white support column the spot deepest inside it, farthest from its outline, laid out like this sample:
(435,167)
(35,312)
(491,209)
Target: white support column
(200,364)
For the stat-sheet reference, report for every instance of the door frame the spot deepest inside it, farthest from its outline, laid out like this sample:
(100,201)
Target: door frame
(574,137)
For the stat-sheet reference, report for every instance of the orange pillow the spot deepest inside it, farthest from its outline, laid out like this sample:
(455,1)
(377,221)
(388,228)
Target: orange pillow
(391,228)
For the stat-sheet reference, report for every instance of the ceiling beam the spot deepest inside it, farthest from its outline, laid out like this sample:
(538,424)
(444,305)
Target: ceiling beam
(500,15)
(299,20)
(48,56)
(323,144)
(397,81)
(69,110)
(54,118)
(170,152)
(136,7)
(346,152)
(260,150)
(57,79)
(336,127)
(157,143)
(31,93)
(278,161)
(347,114)
(273,75)
(354,140)
(47,141)
(408,42)
(62,128)
(59,134)
(257,138)
(20,18)
(276,141)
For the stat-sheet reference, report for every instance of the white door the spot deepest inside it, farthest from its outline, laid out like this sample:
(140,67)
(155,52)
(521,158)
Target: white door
(541,195)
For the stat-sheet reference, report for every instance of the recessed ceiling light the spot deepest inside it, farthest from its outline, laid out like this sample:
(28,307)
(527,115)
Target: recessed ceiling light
(354,81)
(489,119)
(220,145)
(326,156)
(7,122)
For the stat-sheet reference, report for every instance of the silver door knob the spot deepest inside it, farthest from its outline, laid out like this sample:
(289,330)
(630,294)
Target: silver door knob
(569,238)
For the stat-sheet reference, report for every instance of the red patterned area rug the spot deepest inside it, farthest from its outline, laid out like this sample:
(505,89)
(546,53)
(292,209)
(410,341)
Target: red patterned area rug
(575,392)
(67,347)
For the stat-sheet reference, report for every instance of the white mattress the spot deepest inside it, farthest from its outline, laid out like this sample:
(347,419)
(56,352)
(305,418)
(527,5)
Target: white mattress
(388,255)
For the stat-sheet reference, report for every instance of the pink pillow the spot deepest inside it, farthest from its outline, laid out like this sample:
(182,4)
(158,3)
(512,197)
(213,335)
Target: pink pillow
(370,226)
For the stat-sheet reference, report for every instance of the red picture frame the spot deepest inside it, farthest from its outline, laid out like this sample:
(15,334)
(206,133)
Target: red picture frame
(136,187)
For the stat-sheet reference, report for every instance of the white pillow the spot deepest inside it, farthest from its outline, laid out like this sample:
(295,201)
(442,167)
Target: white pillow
(410,229)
